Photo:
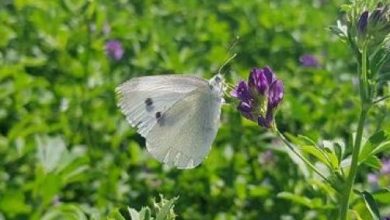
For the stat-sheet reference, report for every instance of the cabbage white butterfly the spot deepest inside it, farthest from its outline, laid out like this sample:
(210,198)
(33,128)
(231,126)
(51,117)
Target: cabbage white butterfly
(178,115)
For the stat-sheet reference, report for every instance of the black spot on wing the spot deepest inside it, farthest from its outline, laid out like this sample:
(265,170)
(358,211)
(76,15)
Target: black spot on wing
(148,101)
(149,104)
(159,118)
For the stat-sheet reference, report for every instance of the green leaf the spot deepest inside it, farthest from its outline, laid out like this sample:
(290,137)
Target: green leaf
(51,150)
(374,162)
(13,202)
(382,196)
(307,140)
(6,34)
(371,205)
(300,140)
(338,151)
(73,5)
(356,214)
(332,158)
(145,213)
(316,152)
(65,211)
(134,214)
(377,143)
(293,139)
(165,209)
(296,199)
(311,203)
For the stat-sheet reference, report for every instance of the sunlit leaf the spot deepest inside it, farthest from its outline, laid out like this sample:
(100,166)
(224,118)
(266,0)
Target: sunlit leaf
(50,151)
(371,205)
(377,143)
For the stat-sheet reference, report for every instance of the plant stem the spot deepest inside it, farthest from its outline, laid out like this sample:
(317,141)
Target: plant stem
(381,99)
(306,161)
(354,167)
(344,206)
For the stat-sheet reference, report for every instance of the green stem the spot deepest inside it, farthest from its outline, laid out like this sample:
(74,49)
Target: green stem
(345,198)
(306,161)
(354,167)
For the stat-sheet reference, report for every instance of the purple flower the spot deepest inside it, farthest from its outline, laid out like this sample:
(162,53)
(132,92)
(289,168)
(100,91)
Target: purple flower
(242,92)
(374,25)
(372,178)
(260,96)
(362,23)
(114,49)
(385,169)
(308,60)
(266,158)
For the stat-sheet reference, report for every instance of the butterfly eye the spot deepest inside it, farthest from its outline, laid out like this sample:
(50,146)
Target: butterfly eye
(158,115)
(217,79)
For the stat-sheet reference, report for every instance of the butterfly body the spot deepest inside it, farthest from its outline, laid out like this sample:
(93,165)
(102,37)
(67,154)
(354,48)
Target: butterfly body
(177,115)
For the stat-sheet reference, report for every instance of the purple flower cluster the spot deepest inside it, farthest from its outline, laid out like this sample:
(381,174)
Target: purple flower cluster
(260,96)
(308,60)
(114,49)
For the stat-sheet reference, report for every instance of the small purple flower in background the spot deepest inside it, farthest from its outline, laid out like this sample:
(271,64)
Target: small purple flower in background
(308,60)
(372,178)
(385,170)
(260,96)
(266,158)
(114,49)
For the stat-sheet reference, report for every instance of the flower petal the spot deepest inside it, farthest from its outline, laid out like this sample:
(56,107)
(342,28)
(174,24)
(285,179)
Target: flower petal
(262,121)
(276,93)
(362,23)
(269,74)
(245,109)
(258,81)
(308,60)
(242,92)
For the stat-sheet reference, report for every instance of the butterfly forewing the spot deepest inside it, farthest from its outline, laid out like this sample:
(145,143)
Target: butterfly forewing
(142,99)
(184,133)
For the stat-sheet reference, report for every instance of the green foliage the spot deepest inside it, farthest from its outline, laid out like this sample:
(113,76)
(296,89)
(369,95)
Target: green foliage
(371,205)
(162,210)
(377,143)
(67,152)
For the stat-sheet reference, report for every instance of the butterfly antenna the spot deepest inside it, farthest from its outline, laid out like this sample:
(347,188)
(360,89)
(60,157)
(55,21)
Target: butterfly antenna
(233,44)
(226,62)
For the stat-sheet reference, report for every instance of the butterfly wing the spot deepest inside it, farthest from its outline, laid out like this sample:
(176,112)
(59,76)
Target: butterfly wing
(183,135)
(141,99)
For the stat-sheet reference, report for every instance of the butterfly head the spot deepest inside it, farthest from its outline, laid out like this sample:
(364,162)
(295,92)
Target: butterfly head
(216,84)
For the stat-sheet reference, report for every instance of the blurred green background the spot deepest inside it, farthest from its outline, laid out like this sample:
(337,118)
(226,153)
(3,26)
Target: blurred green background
(67,152)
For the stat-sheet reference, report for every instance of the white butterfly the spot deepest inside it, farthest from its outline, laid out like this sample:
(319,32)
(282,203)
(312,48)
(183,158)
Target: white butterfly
(178,115)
